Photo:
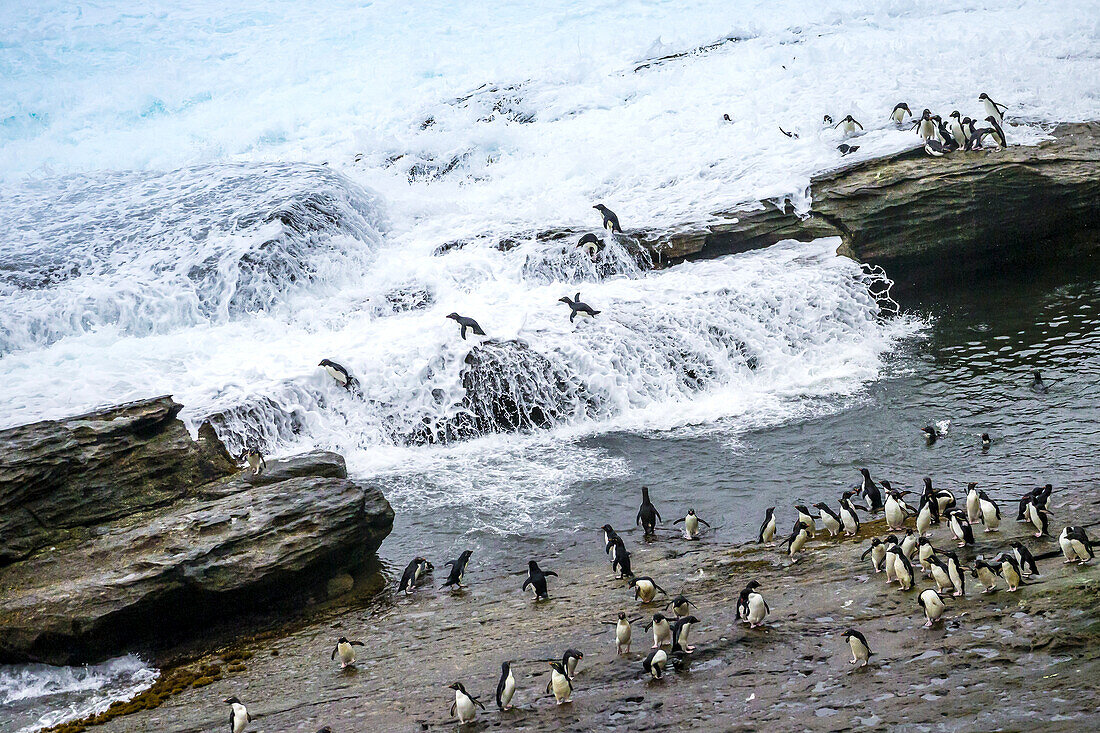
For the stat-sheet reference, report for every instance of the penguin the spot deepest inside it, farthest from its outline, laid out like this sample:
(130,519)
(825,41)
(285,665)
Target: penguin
(973,135)
(654,663)
(888,561)
(910,543)
(849,125)
(956,128)
(1038,516)
(795,542)
(993,109)
(945,500)
(645,588)
(805,518)
(829,519)
(767,527)
(458,569)
(691,525)
(576,306)
(861,650)
(559,683)
(925,553)
(931,434)
(924,126)
(681,606)
(877,551)
(464,704)
(1025,559)
(792,135)
(238,715)
(506,687)
(610,221)
(903,569)
(616,549)
(610,538)
(648,516)
(925,515)
(848,519)
(1076,546)
(827,121)
(621,563)
(681,628)
(414,571)
(662,632)
(869,491)
(997,133)
(940,575)
(1010,572)
(591,245)
(900,110)
(937,134)
(569,660)
(622,632)
(536,580)
(726,117)
(937,150)
(973,503)
(933,499)
(954,571)
(339,373)
(961,528)
(896,513)
(986,441)
(991,513)
(1037,384)
(466,324)
(933,606)
(756,608)
(346,650)
(255,460)
(987,574)
(846,149)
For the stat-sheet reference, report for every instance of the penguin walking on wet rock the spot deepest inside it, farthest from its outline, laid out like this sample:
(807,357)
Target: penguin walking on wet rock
(869,492)
(645,588)
(238,715)
(961,528)
(903,569)
(467,324)
(536,580)
(1010,571)
(681,630)
(804,517)
(933,606)
(621,563)
(577,307)
(559,683)
(990,514)
(338,373)
(648,516)
(414,571)
(996,133)
(346,650)
(654,663)
(1025,559)
(987,574)
(830,520)
(681,606)
(755,607)
(623,632)
(924,126)
(973,503)
(662,631)
(570,658)
(861,650)
(506,687)
(877,551)
(849,520)
(1038,516)
(691,524)
(1076,546)
(767,527)
(458,570)
(797,539)
(610,220)
(464,704)
(954,571)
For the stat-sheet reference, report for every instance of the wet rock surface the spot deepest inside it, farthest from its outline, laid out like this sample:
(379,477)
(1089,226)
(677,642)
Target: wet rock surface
(1009,661)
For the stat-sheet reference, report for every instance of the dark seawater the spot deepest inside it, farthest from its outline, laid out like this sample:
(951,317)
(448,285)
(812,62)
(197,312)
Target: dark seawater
(972,366)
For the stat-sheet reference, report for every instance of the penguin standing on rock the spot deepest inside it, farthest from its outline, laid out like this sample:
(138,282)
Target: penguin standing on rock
(338,373)
(569,659)
(961,528)
(466,324)
(346,650)
(255,460)
(903,569)
(681,628)
(804,518)
(924,126)
(654,663)
(993,109)
(756,608)
(933,606)
(464,704)
(1075,545)
(861,650)
(559,683)
(691,524)
(414,571)
(648,516)
(869,492)
(662,632)
(622,632)
(576,306)
(610,220)
(849,521)
(645,588)
(681,606)
(990,514)
(767,528)
(987,574)
(997,133)
(506,687)
(956,129)
(1010,572)
(621,563)
(954,572)
(877,551)
(1038,516)
(1025,559)
(900,110)
(536,580)
(799,536)
(458,570)
(238,715)
(829,519)
(973,503)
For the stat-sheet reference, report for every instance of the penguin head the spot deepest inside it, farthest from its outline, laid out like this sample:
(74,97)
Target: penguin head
(557,666)
(802,508)
(726,117)
(658,618)
(926,114)
(770,511)
(752,585)
(342,640)
(691,512)
(645,493)
(849,633)
(886,485)
(924,541)
(955,114)
(927,481)
(866,473)
(983,96)
(454,316)
(821,505)
(828,120)
(232,700)
(600,208)
(607,528)
(993,121)
(534,566)
(622,615)
(457,686)
(565,299)
(325,363)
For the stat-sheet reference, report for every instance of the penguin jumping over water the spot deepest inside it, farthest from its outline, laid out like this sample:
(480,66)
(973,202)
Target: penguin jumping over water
(339,373)
(536,579)
(576,306)
(466,323)
(610,220)
(648,516)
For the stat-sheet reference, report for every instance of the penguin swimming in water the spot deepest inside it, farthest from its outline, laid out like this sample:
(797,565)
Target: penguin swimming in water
(506,687)
(973,503)
(654,663)
(987,574)
(932,433)
(536,580)
(986,441)
(414,571)
(900,110)
(924,126)
(990,514)
(681,629)
(797,539)
(877,551)
(464,704)
(559,683)
(849,124)
(804,518)
(1076,546)
(691,524)
(346,650)
(767,528)
(648,516)
(645,588)
(1025,559)
(681,606)
(576,306)
(458,569)
(622,632)
(466,324)
(610,220)
(591,245)
(1037,384)
(846,149)
(829,519)
(662,632)
(933,606)
(569,660)
(339,373)
(869,492)
(861,650)
(238,715)
(997,133)
(848,518)
(993,109)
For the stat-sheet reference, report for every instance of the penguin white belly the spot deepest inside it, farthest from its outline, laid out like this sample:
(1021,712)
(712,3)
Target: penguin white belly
(926,129)
(908,545)
(924,521)
(989,517)
(337,375)
(240,717)
(898,116)
(955,578)
(849,521)
(560,685)
(943,581)
(509,690)
(987,578)
(464,706)
(957,133)
(973,507)
(1079,550)
(691,527)
(658,663)
(646,591)
(904,579)
(831,525)
(622,636)
(891,573)
(877,556)
(798,542)
(991,109)
(925,556)
(1010,576)
(860,653)
(758,609)
(1035,517)
(769,531)
(347,653)
(662,634)
(895,517)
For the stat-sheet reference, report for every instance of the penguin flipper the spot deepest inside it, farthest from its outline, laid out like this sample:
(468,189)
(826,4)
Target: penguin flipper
(478,330)
(526,583)
(548,684)
(357,643)
(453,705)
(857,124)
(549,572)
(464,332)
(658,514)
(677,521)
(334,651)
(702,521)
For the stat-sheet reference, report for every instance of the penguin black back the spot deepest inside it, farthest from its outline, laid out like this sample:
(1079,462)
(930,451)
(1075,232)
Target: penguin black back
(458,569)
(610,220)
(648,516)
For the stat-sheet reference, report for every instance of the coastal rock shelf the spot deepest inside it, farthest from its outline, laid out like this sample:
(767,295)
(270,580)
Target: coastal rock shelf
(149,530)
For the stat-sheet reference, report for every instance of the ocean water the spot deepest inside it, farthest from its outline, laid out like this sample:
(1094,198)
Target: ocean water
(206,201)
